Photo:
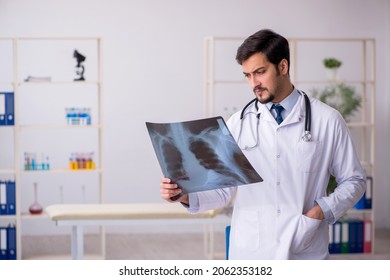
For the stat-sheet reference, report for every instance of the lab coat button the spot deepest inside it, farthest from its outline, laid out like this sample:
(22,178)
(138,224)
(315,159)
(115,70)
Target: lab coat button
(278,156)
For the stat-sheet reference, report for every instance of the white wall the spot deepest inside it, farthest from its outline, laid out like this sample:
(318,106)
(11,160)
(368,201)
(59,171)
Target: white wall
(153,68)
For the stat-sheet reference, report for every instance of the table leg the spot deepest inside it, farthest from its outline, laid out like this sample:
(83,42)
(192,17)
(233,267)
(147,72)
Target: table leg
(77,243)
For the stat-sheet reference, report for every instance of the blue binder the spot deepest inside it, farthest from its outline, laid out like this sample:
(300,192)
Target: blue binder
(2,108)
(366,201)
(369,191)
(360,236)
(11,198)
(335,244)
(3,243)
(361,203)
(227,238)
(3,198)
(353,236)
(11,240)
(331,243)
(7,108)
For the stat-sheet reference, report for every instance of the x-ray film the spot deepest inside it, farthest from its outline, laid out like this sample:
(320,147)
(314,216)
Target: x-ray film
(200,155)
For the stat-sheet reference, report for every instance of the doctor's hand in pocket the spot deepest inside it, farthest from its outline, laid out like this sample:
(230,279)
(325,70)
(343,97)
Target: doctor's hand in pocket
(315,213)
(171,192)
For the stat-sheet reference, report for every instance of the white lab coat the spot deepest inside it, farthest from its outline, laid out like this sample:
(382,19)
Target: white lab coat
(267,220)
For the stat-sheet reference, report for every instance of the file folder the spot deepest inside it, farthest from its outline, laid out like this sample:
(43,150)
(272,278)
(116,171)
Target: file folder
(331,241)
(3,243)
(3,198)
(11,242)
(336,238)
(366,201)
(2,109)
(11,198)
(369,190)
(367,246)
(7,108)
(352,236)
(227,240)
(344,237)
(361,203)
(360,236)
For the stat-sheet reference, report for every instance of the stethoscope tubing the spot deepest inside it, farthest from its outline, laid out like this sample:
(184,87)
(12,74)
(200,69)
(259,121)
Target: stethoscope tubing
(307,111)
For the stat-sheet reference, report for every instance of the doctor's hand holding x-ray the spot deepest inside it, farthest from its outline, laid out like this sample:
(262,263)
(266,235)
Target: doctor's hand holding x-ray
(169,190)
(295,148)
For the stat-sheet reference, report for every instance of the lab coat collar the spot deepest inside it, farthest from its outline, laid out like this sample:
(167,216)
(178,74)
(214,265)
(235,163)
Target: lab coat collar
(296,111)
(288,103)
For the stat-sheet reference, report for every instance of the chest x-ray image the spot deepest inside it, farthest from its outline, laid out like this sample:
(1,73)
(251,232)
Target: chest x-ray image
(200,155)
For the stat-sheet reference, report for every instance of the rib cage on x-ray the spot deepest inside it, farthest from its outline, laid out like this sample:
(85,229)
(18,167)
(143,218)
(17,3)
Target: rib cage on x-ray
(200,155)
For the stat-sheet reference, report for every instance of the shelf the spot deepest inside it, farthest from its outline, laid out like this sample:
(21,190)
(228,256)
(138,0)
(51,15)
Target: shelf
(58,83)
(57,88)
(40,172)
(7,217)
(64,257)
(56,126)
(61,171)
(7,171)
(28,216)
(296,82)
(334,82)
(227,82)
(66,38)
(367,165)
(360,124)
(360,211)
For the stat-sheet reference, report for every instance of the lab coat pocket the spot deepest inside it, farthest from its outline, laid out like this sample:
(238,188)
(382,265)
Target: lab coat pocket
(309,156)
(305,232)
(246,230)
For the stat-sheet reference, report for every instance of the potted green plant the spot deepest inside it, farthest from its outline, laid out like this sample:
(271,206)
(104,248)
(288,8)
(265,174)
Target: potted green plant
(332,65)
(344,99)
(332,62)
(341,97)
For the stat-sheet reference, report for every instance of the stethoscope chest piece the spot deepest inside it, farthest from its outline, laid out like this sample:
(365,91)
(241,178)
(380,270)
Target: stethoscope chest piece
(306,136)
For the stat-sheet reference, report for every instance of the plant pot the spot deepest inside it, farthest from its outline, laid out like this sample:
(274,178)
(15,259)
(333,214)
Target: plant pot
(332,74)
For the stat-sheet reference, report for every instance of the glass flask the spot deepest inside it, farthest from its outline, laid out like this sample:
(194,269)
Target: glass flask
(35,208)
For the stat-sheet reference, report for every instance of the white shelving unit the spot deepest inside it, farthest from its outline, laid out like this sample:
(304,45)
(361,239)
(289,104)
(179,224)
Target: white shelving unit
(225,92)
(41,124)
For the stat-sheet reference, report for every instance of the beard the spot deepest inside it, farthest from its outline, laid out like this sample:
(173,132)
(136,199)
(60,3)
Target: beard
(261,90)
(264,95)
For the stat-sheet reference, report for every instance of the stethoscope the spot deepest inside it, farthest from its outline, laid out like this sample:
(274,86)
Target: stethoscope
(306,137)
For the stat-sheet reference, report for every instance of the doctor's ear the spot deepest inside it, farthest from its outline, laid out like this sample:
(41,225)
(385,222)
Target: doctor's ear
(283,66)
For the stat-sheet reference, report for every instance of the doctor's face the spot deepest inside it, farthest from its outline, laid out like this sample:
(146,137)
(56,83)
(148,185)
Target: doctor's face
(264,78)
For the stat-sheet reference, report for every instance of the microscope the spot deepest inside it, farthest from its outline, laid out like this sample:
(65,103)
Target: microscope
(80,69)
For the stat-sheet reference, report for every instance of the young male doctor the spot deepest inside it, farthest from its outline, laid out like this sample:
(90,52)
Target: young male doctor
(288,214)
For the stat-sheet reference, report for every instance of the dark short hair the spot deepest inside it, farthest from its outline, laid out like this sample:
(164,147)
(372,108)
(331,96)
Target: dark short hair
(274,46)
